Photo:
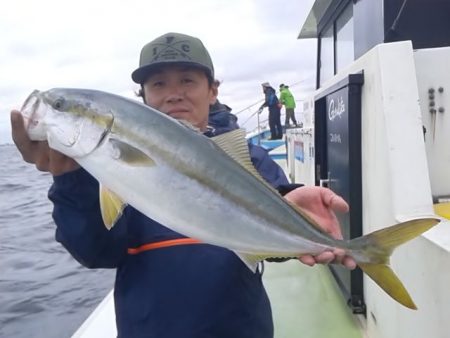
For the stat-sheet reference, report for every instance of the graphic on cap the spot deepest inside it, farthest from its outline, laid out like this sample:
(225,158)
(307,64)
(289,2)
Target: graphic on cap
(169,51)
(172,48)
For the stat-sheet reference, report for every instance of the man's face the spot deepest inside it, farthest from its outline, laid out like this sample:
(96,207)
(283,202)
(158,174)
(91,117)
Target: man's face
(181,92)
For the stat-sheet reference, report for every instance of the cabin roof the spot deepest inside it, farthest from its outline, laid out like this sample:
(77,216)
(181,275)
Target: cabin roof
(309,28)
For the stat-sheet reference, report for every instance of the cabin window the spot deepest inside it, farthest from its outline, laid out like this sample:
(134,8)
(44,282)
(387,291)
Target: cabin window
(345,54)
(327,55)
(336,40)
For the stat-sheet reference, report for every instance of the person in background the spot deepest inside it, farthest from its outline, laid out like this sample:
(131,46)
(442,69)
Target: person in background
(162,289)
(273,104)
(288,100)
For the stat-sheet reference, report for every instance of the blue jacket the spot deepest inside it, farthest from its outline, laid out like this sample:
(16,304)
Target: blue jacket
(271,101)
(195,290)
(221,119)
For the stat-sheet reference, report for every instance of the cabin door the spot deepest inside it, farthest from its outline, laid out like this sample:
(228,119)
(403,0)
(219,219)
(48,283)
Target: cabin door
(338,167)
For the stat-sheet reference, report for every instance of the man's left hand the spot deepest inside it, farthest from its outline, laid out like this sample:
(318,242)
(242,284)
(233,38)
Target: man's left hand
(321,204)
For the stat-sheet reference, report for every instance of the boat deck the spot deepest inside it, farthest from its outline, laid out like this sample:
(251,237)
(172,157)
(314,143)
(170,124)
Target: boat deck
(307,303)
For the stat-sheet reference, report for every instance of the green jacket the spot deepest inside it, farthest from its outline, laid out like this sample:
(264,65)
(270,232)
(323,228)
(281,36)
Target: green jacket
(286,98)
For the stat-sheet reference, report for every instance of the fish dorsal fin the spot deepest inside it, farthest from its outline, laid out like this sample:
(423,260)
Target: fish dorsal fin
(190,126)
(129,154)
(235,145)
(111,207)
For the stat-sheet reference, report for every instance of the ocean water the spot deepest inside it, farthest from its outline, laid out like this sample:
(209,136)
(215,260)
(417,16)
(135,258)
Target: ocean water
(44,292)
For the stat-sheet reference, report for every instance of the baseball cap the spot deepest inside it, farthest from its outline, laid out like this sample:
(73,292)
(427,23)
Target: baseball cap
(172,48)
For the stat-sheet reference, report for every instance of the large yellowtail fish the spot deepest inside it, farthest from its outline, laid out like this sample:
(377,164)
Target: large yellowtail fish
(203,188)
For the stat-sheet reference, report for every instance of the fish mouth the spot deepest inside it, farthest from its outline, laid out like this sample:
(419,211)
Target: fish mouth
(31,104)
(33,116)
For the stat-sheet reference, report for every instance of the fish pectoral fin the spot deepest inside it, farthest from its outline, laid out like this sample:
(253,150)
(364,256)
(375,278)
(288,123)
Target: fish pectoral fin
(129,154)
(235,145)
(111,207)
(250,260)
(383,275)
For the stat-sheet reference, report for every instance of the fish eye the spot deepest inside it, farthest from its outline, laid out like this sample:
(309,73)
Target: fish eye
(58,104)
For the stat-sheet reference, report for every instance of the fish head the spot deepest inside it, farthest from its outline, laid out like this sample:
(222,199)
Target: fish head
(71,120)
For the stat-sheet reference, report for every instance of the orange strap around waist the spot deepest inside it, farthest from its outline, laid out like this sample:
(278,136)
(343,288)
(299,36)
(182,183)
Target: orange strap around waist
(162,244)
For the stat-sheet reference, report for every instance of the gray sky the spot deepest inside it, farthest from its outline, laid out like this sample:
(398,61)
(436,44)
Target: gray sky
(96,45)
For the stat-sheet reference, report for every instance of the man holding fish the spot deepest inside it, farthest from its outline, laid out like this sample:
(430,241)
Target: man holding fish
(169,282)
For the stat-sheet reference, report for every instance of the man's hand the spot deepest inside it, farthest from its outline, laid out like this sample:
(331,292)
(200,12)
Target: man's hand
(320,204)
(38,152)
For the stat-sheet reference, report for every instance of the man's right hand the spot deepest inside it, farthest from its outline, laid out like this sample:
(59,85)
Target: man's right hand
(38,152)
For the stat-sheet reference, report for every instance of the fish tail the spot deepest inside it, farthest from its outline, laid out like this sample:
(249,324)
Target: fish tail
(376,249)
